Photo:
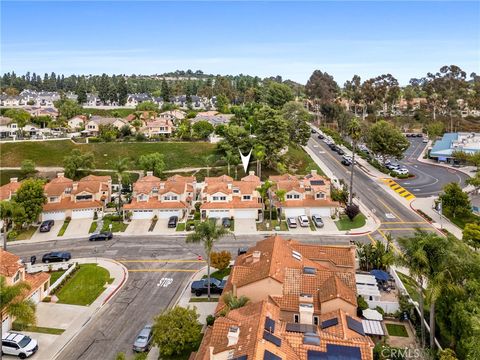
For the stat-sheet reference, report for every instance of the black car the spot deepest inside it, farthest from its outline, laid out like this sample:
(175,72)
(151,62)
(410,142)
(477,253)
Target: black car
(321,137)
(346,162)
(313,131)
(340,151)
(46,225)
(101,236)
(242,250)
(56,256)
(172,222)
(332,146)
(226,222)
(200,287)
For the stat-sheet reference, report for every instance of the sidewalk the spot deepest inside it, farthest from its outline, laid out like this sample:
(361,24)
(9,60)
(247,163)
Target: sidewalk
(439,222)
(84,314)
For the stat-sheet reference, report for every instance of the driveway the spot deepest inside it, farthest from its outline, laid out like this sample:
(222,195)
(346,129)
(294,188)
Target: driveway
(245,226)
(78,227)
(162,227)
(328,225)
(138,227)
(52,234)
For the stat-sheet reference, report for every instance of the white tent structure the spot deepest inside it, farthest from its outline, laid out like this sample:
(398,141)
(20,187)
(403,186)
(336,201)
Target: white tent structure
(371,314)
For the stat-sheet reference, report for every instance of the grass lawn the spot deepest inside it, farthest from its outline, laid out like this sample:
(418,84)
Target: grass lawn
(299,160)
(262,226)
(117,226)
(63,228)
(464,220)
(180,227)
(38,329)
(54,275)
(346,224)
(219,274)
(5,175)
(26,234)
(84,286)
(396,330)
(177,154)
(93,227)
(410,285)
(203,299)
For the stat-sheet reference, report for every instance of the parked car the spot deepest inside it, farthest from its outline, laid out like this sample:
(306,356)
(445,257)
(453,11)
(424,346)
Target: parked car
(226,222)
(346,162)
(46,225)
(103,236)
(17,344)
(401,171)
(321,137)
(419,135)
(392,166)
(172,222)
(303,220)
(317,220)
(200,287)
(313,131)
(242,250)
(332,146)
(56,256)
(425,140)
(340,151)
(143,339)
(291,222)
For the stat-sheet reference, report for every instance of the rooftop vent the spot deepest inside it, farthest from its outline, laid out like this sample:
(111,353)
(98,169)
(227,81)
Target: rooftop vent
(297,255)
(233,335)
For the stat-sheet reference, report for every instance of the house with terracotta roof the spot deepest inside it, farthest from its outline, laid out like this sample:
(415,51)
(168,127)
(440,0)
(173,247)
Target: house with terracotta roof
(302,306)
(8,190)
(13,270)
(77,122)
(76,199)
(309,195)
(92,127)
(158,126)
(155,197)
(223,197)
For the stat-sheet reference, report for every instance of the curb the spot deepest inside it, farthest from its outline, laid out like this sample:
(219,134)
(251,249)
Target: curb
(124,280)
(428,221)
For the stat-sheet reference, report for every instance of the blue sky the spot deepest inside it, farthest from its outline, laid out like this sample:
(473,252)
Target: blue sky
(406,39)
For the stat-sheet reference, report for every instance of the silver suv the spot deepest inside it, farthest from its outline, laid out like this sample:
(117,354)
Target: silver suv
(17,344)
(143,339)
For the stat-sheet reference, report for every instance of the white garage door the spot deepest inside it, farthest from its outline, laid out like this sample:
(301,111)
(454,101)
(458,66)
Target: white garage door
(35,297)
(322,211)
(142,214)
(246,214)
(82,214)
(53,215)
(294,212)
(218,213)
(165,214)
(5,324)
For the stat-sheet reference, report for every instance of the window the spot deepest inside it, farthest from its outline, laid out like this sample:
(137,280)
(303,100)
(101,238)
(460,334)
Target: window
(142,197)
(52,199)
(17,277)
(315,320)
(155,189)
(320,196)
(215,198)
(84,197)
(247,197)
(293,196)
(289,196)
(236,191)
(296,318)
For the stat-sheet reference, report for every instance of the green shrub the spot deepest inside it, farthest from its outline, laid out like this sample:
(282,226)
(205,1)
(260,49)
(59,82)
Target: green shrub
(47,299)
(94,139)
(210,320)
(12,235)
(362,303)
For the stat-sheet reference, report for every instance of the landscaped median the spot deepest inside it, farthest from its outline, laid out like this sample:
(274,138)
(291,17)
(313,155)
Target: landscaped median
(345,224)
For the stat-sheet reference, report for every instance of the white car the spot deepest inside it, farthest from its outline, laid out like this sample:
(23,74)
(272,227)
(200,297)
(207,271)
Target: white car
(401,171)
(425,140)
(303,220)
(292,223)
(17,344)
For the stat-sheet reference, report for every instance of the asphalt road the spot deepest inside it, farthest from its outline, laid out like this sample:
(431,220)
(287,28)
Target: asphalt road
(429,179)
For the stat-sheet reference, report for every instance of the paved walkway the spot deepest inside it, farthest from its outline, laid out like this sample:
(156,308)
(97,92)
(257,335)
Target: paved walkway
(72,317)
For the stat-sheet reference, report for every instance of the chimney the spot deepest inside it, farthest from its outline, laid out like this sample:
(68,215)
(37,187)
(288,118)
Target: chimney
(233,335)
(314,172)
(13,180)
(162,185)
(75,186)
(256,256)
(251,172)
(302,184)
(60,175)
(229,185)
(306,313)
(149,173)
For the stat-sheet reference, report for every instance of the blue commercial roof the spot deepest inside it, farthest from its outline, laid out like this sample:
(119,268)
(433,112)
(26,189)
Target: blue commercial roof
(443,147)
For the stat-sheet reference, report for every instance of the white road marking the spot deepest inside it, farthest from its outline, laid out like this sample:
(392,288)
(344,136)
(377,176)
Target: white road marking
(390,216)
(164,282)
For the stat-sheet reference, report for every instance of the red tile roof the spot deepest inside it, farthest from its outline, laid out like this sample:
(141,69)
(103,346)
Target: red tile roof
(9,263)
(67,204)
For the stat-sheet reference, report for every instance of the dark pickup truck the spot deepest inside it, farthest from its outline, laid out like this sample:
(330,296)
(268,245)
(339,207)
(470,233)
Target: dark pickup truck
(199,287)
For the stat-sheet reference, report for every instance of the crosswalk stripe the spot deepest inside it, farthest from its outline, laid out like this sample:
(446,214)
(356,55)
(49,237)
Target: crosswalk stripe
(398,189)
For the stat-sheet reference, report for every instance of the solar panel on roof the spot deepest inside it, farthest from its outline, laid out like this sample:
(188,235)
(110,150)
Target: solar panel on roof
(336,352)
(272,338)
(317,182)
(242,357)
(309,270)
(267,355)
(269,325)
(301,328)
(355,325)
(310,339)
(329,322)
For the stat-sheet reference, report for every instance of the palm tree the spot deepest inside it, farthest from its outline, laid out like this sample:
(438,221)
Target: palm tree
(207,233)
(263,190)
(280,194)
(234,302)
(354,131)
(121,166)
(13,303)
(9,211)
(207,160)
(259,153)
(416,259)
(229,156)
